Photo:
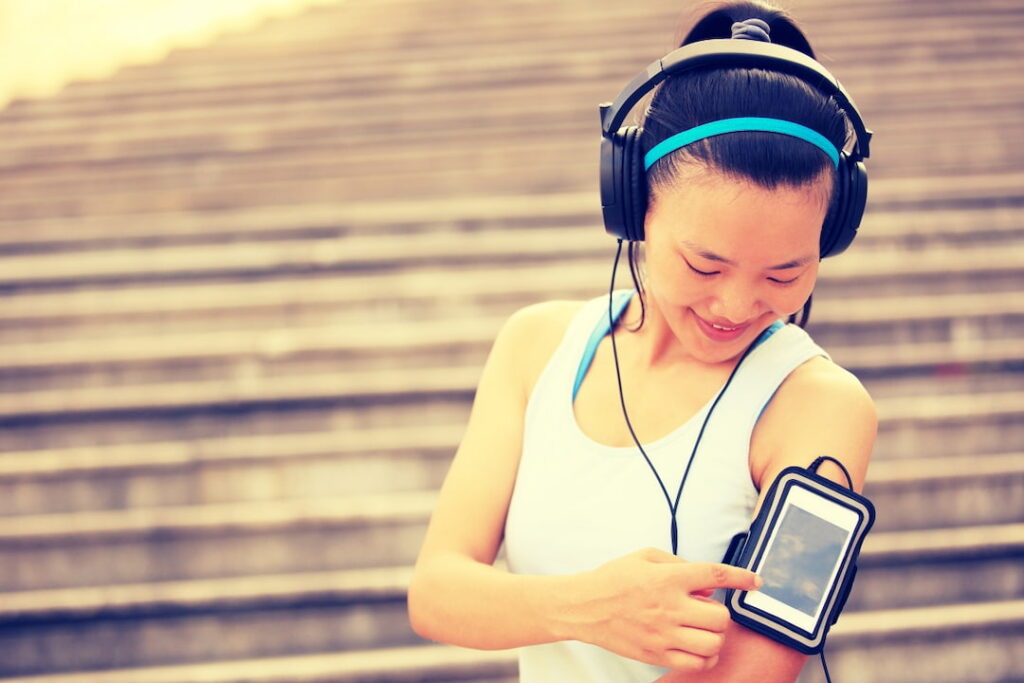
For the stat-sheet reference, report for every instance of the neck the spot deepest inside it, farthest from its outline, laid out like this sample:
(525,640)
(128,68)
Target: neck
(655,345)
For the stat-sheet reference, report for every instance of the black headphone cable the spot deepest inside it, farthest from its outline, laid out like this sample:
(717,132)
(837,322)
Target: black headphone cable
(673,506)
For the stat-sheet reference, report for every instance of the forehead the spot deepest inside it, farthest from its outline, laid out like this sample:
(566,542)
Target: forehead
(732,216)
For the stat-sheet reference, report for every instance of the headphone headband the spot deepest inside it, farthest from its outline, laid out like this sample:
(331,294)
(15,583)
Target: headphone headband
(730,53)
(623,177)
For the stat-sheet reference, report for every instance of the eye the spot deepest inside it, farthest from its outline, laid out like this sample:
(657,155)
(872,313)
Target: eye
(703,273)
(783,282)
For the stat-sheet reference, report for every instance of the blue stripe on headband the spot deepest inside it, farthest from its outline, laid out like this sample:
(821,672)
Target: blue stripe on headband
(741,124)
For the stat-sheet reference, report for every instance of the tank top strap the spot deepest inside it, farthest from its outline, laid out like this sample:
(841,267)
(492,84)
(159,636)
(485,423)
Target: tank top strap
(767,367)
(620,300)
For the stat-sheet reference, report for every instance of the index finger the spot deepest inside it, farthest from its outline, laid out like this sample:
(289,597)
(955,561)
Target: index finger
(704,576)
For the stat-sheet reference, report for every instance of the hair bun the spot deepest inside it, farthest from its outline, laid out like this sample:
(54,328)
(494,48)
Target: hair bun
(751,29)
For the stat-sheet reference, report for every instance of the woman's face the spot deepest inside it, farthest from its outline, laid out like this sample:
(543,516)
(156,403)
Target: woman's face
(726,258)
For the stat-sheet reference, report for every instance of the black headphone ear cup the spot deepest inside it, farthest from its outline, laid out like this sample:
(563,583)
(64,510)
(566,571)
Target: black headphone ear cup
(833,217)
(847,208)
(637,179)
(856,203)
(625,182)
(612,188)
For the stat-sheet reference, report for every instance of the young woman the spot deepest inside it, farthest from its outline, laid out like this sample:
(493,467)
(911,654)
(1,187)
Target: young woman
(551,461)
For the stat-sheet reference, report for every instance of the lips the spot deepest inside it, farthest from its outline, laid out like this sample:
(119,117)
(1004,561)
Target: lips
(719,332)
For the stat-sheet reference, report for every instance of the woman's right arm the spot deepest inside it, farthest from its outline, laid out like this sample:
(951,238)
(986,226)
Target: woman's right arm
(456,596)
(649,605)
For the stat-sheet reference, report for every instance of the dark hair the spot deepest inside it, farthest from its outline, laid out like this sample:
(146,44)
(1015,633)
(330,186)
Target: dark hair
(705,95)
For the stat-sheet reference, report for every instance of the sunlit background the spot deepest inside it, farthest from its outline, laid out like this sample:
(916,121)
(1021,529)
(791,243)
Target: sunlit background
(253,254)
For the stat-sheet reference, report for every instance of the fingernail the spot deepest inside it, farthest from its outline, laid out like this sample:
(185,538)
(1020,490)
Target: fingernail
(758,581)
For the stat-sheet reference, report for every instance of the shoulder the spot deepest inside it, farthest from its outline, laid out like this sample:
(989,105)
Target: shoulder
(540,325)
(531,334)
(820,409)
(821,384)
(545,317)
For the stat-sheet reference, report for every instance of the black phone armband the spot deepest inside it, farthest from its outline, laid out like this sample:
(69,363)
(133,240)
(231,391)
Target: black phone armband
(804,544)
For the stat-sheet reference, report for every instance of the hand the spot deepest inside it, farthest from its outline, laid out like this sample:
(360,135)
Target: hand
(656,608)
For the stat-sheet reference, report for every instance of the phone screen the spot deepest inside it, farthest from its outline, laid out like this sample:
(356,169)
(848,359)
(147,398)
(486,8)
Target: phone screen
(802,557)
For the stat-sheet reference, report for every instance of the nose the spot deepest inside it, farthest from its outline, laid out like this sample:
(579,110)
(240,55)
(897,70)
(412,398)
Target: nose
(735,302)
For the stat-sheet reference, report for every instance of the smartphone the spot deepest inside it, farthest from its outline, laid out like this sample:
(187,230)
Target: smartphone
(804,545)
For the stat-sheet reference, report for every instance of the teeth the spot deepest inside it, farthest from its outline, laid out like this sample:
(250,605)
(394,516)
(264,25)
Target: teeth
(719,327)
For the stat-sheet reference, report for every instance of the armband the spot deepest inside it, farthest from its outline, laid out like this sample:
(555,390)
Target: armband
(804,545)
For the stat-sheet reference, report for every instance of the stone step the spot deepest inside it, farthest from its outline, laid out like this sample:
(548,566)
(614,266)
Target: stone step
(510,36)
(159,623)
(893,219)
(170,391)
(975,564)
(273,362)
(274,314)
(230,421)
(963,643)
(356,82)
(353,389)
(166,140)
(286,176)
(955,412)
(952,425)
(169,278)
(211,541)
(310,174)
(976,488)
(634,38)
(194,621)
(521,26)
(981,643)
(393,258)
(160,152)
(495,166)
(911,407)
(963,362)
(632,45)
(867,336)
(276,535)
(945,414)
(411,664)
(153,143)
(221,470)
(245,160)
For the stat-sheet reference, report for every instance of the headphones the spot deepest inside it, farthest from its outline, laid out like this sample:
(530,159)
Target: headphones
(624,179)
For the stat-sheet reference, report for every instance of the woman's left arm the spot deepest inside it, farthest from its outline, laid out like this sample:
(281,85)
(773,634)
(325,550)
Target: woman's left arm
(820,409)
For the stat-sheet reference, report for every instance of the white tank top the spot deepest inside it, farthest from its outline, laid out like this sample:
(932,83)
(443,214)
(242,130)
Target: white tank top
(578,504)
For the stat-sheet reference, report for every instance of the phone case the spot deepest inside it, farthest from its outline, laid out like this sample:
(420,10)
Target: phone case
(744,548)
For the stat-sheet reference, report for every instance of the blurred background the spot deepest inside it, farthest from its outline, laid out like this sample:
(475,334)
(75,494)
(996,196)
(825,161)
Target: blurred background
(253,255)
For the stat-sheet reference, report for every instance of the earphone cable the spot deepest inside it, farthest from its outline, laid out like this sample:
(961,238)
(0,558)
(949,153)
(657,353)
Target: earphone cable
(673,506)
(622,398)
(822,458)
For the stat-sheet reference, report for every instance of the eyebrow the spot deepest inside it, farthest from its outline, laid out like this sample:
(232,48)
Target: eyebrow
(712,256)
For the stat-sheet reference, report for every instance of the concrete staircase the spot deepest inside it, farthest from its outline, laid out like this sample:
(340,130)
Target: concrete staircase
(245,296)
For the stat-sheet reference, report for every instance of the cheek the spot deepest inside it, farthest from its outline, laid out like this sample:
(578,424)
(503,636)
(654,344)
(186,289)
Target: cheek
(669,281)
(788,300)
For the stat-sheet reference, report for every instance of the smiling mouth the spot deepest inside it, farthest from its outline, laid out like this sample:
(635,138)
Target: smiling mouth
(726,328)
(719,332)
